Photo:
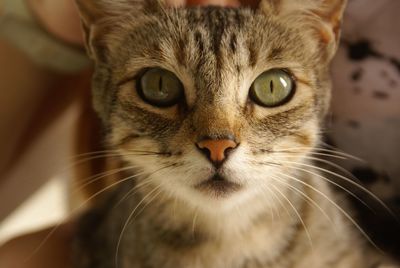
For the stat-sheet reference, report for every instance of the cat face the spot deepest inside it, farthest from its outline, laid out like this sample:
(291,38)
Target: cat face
(212,106)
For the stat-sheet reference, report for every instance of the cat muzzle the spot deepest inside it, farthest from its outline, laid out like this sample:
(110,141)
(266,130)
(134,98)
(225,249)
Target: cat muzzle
(217,150)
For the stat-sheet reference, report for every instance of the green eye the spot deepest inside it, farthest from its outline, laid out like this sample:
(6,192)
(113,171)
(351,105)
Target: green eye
(272,88)
(160,87)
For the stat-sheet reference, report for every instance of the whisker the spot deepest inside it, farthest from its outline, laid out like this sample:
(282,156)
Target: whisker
(313,149)
(145,182)
(129,219)
(108,187)
(92,153)
(114,152)
(341,153)
(297,213)
(347,180)
(294,153)
(305,196)
(175,204)
(196,212)
(336,206)
(133,191)
(112,155)
(99,176)
(265,187)
(45,239)
(332,164)
(324,178)
(275,196)
(334,148)
(147,204)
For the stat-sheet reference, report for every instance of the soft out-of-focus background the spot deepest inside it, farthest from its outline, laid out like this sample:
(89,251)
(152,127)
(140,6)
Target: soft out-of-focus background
(366,95)
(47,206)
(366,122)
(49,201)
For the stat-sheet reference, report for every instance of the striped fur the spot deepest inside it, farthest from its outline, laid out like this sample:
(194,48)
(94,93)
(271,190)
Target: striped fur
(282,214)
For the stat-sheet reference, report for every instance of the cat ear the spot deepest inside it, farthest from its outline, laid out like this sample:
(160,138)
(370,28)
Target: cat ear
(323,16)
(99,16)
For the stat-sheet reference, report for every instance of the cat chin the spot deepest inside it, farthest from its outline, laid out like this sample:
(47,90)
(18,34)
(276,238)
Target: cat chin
(237,184)
(215,214)
(218,198)
(218,187)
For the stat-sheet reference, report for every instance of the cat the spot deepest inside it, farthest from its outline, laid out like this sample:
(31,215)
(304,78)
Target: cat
(216,114)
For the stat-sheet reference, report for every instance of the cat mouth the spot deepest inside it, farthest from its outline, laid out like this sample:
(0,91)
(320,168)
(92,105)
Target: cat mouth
(218,186)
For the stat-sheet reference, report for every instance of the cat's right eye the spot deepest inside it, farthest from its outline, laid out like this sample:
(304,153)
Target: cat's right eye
(272,88)
(160,87)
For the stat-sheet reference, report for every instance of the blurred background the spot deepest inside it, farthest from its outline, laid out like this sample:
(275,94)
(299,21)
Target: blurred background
(38,124)
(36,192)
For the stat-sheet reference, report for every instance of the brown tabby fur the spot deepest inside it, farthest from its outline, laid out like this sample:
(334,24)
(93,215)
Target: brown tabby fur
(281,212)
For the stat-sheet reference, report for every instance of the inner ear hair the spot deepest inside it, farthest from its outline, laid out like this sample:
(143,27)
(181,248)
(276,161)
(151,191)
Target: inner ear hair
(332,14)
(91,11)
(329,12)
(100,16)
(324,17)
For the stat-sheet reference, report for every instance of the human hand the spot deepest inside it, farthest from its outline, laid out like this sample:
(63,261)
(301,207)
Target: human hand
(60,18)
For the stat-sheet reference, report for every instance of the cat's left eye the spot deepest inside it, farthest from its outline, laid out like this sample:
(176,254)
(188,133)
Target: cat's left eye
(272,88)
(160,87)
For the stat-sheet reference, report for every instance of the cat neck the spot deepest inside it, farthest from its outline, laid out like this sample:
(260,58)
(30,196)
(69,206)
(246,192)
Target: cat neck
(167,227)
(167,232)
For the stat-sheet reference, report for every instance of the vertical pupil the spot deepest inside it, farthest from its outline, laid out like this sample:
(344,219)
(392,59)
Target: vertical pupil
(271,86)
(160,83)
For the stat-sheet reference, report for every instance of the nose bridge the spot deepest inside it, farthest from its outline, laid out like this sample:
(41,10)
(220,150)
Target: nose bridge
(216,127)
(214,122)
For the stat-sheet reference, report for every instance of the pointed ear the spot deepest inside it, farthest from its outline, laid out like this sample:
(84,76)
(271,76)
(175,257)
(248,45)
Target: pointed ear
(323,16)
(100,16)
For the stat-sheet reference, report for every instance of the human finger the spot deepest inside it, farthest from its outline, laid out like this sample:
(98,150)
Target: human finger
(60,18)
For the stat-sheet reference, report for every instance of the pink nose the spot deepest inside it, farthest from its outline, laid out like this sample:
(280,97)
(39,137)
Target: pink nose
(216,150)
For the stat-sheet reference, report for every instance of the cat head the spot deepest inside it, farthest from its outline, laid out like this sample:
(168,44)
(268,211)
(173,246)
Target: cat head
(213,106)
